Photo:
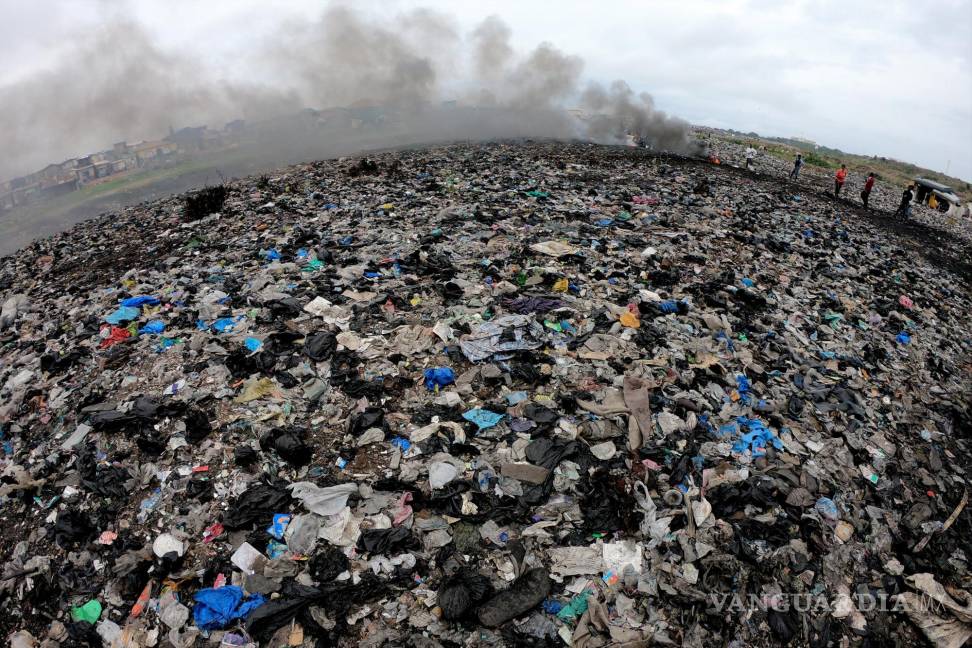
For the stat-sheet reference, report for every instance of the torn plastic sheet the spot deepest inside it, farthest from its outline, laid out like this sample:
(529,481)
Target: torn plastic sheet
(502,335)
(329,500)
(484,419)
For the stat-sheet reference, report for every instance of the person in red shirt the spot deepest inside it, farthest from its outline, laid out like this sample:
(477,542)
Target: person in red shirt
(866,192)
(839,180)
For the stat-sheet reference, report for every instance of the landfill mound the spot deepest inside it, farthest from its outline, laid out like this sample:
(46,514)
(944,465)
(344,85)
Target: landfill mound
(509,394)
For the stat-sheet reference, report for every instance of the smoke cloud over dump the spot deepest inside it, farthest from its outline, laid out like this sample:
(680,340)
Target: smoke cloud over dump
(118,84)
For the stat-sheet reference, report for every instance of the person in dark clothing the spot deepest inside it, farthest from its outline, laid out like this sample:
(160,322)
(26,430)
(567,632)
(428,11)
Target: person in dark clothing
(868,186)
(904,209)
(797,163)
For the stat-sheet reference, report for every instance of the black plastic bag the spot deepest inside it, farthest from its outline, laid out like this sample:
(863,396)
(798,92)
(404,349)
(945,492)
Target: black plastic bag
(197,425)
(540,414)
(607,507)
(256,504)
(526,592)
(105,481)
(383,541)
(549,453)
(244,455)
(371,417)
(110,420)
(320,346)
(461,593)
(292,449)
(200,489)
(784,625)
(72,528)
(289,444)
(270,617)
(328,565)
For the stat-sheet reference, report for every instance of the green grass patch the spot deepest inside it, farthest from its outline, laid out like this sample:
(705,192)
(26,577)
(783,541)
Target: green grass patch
(818,161)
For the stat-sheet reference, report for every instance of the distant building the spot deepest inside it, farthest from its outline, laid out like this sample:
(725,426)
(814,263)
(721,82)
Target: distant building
(190,139)
(84,170)
(103,168)
(149,153)
(945,196)
(365,113)
(54,187)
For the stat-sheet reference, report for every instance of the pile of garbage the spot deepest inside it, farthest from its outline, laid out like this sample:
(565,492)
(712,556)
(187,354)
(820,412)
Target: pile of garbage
(507,394)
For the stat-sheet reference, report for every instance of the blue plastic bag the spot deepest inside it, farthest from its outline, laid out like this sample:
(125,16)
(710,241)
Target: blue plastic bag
(123,314)
(516,397)
(253,344)
(275,549)
(279,525)
(153,328)
(827,509)
(439,377)
(743,387)
(141,300)
(226,324)
(742,383)
(903,338)
(165,343)
(757,437)
(484,419)
(218,607)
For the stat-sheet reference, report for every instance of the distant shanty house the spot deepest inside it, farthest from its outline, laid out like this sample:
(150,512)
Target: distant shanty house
(942,196)
(103,168)
(85,169)
(51,171)
(365,113)
(19,191)
(189,138)
(148,153)
(53,187)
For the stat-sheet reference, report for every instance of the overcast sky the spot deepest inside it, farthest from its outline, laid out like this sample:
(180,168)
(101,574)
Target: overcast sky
(883,77)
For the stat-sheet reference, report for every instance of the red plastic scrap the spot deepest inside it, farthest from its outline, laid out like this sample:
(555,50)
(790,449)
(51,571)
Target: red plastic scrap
(212,532)
(143,600)
(116,336)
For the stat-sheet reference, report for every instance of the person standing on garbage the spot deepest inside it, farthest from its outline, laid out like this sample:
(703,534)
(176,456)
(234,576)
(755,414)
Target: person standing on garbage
(866,191)
(750,156)
(839,179)
(904,209)
(797,163)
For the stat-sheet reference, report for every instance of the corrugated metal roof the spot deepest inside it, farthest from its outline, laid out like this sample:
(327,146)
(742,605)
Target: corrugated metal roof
(931,184)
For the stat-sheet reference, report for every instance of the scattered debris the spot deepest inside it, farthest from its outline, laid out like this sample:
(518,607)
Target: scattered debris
(515,394)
